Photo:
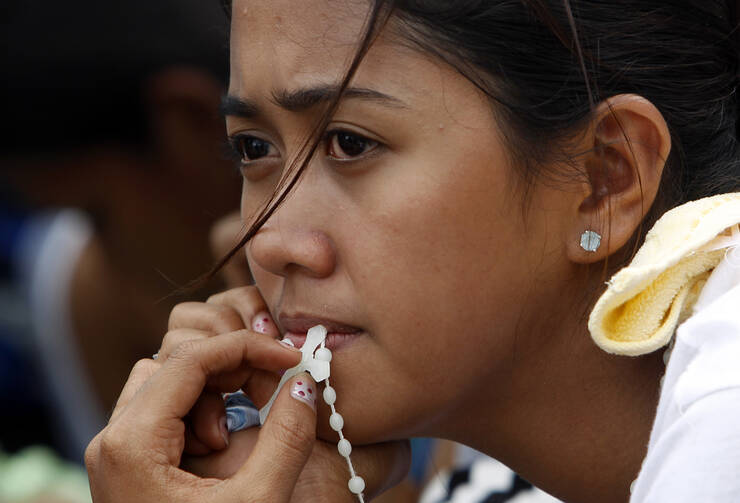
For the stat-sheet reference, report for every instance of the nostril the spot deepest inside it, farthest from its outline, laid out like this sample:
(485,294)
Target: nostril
(287,251)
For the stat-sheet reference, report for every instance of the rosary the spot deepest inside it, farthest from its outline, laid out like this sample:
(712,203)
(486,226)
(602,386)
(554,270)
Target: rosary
(315,359)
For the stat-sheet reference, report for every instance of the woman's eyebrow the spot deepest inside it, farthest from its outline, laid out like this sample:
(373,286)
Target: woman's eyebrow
(304,99)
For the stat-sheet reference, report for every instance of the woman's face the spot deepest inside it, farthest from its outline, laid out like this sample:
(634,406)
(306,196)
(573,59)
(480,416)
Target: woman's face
(406,230)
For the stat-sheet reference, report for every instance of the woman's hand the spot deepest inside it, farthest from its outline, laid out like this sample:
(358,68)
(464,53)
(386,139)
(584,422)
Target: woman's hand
(232,310)
(122,462)
(381,465)
(137,456)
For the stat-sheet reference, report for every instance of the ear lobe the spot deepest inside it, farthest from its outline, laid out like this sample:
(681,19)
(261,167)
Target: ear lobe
(629,143)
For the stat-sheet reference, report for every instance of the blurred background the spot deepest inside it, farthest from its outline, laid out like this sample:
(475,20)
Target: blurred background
(112,174)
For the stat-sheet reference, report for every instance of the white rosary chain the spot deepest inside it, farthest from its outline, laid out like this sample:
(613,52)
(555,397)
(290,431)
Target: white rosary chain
(336,421)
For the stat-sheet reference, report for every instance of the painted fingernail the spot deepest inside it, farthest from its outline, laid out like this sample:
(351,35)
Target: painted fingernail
(304,389)
(224,430)
(262,323)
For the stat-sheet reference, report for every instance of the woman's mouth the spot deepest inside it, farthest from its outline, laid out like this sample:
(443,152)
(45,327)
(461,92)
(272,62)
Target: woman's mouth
(295,328)
(333,341)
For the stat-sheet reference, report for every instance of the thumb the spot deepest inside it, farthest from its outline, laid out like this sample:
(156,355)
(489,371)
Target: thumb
(285,442)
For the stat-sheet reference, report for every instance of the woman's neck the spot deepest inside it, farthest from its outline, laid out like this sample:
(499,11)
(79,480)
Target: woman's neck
(570,418)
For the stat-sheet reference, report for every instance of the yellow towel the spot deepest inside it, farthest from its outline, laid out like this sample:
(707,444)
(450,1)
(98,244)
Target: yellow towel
(645,301)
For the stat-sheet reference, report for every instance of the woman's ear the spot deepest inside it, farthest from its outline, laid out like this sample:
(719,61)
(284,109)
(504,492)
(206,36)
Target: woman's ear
(627,146)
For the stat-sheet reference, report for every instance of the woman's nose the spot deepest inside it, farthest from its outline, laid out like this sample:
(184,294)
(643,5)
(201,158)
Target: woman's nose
(284,247)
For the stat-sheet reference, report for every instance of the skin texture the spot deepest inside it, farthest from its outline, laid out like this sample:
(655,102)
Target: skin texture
(472,302)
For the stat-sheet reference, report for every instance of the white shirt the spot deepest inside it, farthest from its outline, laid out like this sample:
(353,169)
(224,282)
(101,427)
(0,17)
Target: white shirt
(694,449)
(47,258)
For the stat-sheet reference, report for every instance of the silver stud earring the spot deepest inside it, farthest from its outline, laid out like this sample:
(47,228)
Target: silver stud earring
(590,241)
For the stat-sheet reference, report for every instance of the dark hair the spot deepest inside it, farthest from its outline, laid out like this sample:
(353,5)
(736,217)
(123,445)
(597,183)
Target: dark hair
(545,64)
(74,72)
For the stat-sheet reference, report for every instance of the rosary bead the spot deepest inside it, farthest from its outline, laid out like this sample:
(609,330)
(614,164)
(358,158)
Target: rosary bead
(344,447)
(356,484)
(336,421)
(330,396)
(323,354)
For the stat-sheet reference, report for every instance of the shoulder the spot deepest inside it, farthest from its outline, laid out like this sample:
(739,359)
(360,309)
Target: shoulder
(694,451)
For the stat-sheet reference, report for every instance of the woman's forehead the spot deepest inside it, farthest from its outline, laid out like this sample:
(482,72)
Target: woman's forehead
(282,46)
(291,38)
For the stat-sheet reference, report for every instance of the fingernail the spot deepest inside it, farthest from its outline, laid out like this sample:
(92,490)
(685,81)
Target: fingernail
(224,430)
(262,323)
(288,344)
(304,389)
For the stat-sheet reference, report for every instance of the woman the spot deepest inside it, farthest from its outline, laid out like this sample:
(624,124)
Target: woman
(488,166)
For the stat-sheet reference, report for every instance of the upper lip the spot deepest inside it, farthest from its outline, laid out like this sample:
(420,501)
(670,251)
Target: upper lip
(300,323)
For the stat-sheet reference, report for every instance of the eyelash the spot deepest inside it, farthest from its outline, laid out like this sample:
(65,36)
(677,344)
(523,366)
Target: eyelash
(238,146)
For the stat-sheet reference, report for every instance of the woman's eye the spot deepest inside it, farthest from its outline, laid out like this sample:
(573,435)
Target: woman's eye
(251,148)
(344,145)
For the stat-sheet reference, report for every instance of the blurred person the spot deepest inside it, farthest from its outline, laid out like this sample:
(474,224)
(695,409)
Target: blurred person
(112,155)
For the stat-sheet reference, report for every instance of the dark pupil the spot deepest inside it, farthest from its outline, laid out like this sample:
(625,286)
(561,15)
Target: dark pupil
(254,148)
(352,145)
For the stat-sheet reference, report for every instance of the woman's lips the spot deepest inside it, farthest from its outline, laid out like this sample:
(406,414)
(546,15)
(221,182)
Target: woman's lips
(334,341)
(339,334)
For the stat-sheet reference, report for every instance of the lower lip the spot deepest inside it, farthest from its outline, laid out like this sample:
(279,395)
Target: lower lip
(333,341)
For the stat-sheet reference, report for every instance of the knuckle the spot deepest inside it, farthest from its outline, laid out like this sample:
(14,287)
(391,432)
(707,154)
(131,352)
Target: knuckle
(246,292)
(226,319)
(110,446)
(186,352)
(216,298)
(143,366)
(201,356)
(178,313)
(248,296)
(92,453)
(167,340)
(171,339)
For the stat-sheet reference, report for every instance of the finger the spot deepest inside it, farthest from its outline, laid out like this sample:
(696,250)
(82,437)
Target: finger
(228,381)
(223,464)
(213,317)
(261,386)
(208,421)
(140,373)
(284,445)
(193,446)
(262,323)
(248,302)
(174,338)
(173,390)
